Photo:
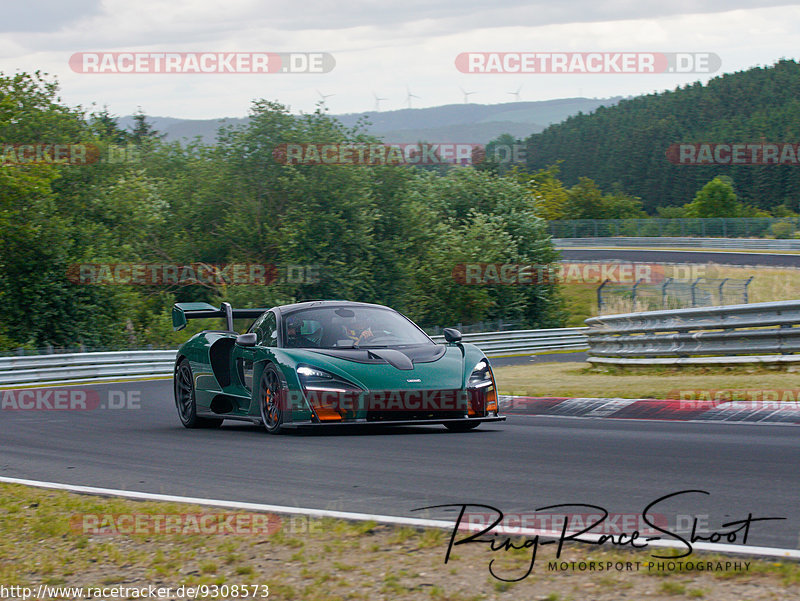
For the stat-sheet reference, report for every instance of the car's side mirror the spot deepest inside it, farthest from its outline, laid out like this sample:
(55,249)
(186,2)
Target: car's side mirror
(451,335)
(247,339)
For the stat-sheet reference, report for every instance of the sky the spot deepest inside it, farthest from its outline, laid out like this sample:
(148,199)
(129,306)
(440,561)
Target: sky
(403,53)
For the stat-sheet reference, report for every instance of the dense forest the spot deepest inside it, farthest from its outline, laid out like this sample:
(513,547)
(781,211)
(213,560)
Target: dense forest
(624,147)
(385,234)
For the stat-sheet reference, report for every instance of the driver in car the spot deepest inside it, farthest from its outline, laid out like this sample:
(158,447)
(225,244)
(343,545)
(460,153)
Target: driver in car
(294,336)
(359,331)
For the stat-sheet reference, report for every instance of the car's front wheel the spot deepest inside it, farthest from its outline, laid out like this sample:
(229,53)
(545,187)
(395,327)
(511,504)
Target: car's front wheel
(272,391)
(185,400)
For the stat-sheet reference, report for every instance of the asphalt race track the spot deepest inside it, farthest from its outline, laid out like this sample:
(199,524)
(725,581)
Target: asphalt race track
(638,255)
(516,466)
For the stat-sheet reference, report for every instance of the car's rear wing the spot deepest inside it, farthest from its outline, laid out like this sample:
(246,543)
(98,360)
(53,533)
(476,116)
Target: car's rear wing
(182,312)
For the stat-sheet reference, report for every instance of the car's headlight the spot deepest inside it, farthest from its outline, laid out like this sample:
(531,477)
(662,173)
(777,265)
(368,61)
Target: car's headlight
(483,393)
(330,396)
(481,375)
(312,378)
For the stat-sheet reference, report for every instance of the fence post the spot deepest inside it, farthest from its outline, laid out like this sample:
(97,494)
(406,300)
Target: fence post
(746,284)
(600,295)
(721,299)
(694,285)
(664,292)
(633,294)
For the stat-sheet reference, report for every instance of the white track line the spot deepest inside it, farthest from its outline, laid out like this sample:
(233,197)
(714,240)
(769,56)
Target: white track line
(384,519)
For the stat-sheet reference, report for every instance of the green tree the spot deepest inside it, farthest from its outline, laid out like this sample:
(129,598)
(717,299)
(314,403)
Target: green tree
(619,205)
(716,199)
(584,201)
(143,130)
(549,193)
(477,217)
(53,217)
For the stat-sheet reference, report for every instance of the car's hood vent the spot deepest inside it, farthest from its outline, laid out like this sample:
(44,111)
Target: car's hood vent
(393,357)
(404,358)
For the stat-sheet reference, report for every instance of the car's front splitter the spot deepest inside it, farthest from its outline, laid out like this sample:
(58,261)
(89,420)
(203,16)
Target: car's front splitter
(403,422)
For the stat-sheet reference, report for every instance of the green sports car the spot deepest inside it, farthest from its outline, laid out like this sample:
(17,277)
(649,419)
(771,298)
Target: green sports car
(326,363)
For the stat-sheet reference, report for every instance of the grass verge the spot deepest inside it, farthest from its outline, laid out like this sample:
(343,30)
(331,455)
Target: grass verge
(331,560)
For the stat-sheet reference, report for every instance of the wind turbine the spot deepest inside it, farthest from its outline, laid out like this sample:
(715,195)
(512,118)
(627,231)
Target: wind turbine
(409,96)
(378,102)
(323,97)
(466,94)
(515,94)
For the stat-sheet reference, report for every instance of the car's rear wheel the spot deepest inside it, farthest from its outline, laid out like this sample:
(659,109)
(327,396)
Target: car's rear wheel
(462,426)
(272,391)
(185,400)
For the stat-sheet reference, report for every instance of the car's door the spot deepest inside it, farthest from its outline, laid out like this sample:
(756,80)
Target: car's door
(265,328)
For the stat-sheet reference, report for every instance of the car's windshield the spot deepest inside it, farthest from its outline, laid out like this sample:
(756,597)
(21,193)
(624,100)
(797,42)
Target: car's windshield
(350,327)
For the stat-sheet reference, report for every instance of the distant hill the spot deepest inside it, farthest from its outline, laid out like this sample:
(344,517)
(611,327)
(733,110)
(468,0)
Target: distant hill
(478,123)
(626,144)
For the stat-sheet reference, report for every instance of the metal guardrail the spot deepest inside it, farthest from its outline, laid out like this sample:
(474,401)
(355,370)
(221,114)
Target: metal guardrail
(708,227)
(81,366)
(143,364)
(754,333)
(521,342)
(666,242)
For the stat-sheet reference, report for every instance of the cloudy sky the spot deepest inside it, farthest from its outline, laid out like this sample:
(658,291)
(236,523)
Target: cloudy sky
(383,49)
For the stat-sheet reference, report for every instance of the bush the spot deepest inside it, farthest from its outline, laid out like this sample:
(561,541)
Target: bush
(782,229)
